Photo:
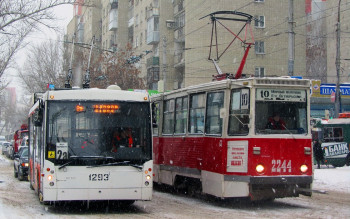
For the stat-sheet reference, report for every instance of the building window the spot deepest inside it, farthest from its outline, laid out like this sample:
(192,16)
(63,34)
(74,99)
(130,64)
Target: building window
(259,47)
(260,21)
(141,37)
(259,72)
(180,20)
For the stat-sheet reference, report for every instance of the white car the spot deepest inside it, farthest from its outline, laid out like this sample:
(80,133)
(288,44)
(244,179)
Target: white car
(4,147)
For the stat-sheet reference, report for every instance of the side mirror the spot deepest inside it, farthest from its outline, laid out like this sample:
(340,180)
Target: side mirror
(38,115)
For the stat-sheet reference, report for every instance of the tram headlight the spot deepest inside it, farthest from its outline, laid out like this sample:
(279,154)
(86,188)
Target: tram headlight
(259,168)
(50,177)
(148,177)
(303,168)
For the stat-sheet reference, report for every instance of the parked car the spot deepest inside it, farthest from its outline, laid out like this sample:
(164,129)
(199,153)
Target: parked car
(21,164)
(4,147)
(9,150)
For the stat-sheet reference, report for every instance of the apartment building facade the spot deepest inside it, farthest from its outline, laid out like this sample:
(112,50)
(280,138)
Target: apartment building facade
(180,40)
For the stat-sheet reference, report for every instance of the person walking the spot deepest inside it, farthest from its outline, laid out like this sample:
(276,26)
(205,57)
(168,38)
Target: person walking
(318,153)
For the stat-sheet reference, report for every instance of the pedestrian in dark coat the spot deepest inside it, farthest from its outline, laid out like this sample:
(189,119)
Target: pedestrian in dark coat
(318,153)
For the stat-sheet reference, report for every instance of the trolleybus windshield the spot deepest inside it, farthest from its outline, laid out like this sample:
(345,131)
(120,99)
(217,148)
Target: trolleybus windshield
(103,132)
(280,111)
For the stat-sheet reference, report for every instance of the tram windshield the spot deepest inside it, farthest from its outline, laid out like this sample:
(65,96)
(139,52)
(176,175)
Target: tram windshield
(100,131)
(280,111)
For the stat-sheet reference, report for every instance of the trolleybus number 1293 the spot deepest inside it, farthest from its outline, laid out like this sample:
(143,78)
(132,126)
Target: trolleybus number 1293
(99,177)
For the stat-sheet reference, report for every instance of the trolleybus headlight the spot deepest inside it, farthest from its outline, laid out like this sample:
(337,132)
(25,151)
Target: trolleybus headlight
(148,177)
(49,177)
(303,168)
(259,168)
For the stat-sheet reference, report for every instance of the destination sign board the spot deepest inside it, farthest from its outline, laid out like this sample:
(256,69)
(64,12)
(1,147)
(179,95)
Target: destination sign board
(271,94)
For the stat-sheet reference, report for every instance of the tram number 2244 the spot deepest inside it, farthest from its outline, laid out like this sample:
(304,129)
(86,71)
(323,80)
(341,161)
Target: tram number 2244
(283,166)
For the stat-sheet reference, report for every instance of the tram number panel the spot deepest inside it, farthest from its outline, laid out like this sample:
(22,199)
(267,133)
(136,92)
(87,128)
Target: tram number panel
(281,166)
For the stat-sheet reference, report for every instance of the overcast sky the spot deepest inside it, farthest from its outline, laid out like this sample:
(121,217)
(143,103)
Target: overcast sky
(64,13)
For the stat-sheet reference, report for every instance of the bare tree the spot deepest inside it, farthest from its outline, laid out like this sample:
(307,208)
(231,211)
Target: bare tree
(43,65)
(18,18)
(116,68)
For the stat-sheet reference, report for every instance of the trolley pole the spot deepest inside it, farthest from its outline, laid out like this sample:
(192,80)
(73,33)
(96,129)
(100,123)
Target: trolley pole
(337,64)
(291,40)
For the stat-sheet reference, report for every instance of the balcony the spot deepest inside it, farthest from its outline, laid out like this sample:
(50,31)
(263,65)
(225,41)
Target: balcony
(131,22)
(113,20)
(152,12)
(179,60)
(153,30)
(152,37)
(153,61)
(179,35)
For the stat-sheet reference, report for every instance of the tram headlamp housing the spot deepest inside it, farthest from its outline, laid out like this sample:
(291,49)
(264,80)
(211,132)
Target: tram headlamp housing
(50,177)
(303,168)
(259,168)
(148,177)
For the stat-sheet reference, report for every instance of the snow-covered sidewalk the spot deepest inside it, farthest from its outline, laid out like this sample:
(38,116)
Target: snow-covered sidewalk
(332,179)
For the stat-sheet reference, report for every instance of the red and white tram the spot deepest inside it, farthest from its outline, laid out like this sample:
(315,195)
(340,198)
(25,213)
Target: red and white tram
(218,136)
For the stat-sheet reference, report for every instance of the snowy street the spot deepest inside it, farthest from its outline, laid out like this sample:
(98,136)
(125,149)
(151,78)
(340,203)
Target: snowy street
(331,201)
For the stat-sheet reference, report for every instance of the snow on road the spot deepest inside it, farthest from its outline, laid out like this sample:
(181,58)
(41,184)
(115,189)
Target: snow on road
(18,201)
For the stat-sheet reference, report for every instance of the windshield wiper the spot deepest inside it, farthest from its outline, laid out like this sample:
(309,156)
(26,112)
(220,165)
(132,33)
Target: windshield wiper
(123,163)
(84,157)
(65,164)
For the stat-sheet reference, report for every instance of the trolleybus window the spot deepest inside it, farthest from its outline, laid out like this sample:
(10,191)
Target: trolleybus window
(239,112)
(290,105)
(333,134)
(181,115)
(197,111)
(168,121)
(213,124)
(86,130)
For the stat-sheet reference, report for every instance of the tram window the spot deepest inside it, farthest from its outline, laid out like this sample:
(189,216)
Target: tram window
(155,118)
(197,111)
(181,115)
(239,112)
(333,134)
(168,121)
(293,116)
(289,104)
(213,123)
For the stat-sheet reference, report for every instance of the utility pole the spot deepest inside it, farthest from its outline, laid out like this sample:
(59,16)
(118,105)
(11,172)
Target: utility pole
(164,61)
(337,65)
(291,40)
